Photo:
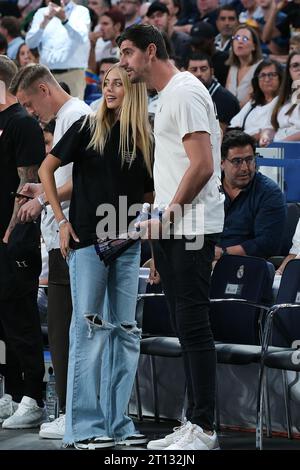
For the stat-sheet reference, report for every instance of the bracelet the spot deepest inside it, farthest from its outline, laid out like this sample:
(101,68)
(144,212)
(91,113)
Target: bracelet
(64,22)
(62,222)
(41,200)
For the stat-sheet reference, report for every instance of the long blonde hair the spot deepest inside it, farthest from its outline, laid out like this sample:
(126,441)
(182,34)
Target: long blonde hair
(135,130)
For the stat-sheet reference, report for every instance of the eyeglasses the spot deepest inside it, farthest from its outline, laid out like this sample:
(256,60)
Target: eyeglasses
(270,75)
(238,37)
(238,161)
(295,66)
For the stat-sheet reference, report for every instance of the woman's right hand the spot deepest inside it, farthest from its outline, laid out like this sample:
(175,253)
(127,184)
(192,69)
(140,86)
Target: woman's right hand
(66,231)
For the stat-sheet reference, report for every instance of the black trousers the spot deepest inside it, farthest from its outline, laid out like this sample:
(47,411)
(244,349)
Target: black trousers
(20,329)
(185,277)
(59,319)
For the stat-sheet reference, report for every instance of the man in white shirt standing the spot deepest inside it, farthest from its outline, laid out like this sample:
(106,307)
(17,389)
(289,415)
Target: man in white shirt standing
(39,92)
(187,184)
(61,33)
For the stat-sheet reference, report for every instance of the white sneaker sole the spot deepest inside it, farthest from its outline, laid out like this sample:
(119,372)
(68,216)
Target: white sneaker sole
(49,435)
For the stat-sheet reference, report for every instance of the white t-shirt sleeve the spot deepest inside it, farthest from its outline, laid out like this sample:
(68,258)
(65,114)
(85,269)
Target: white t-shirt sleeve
(295,250)
(191,112)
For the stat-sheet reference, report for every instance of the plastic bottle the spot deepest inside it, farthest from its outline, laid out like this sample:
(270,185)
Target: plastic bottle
(144,214)
(2,385)
(51,397)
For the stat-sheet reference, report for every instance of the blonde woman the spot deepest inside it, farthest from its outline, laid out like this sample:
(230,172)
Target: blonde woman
(111,155)
(244,57)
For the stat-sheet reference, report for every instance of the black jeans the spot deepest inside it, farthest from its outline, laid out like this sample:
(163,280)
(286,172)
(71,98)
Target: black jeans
(59,319)
(185,277)
(21,331)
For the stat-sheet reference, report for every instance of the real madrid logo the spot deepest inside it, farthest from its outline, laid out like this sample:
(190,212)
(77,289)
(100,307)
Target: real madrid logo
(240,272)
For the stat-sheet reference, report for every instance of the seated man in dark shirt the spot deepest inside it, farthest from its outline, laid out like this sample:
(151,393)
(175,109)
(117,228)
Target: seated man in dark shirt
(255,210)
(226,103)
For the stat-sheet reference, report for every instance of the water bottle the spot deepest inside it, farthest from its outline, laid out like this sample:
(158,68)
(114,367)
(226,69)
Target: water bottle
(144,214)
(51,397)
(2,385)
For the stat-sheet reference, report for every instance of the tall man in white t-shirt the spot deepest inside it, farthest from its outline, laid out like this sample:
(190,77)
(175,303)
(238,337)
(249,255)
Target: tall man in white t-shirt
(186,176)
(38,91)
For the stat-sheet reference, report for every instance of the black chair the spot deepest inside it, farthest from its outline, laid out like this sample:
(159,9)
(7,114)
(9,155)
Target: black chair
(282,330)
(241,292)
(158,338)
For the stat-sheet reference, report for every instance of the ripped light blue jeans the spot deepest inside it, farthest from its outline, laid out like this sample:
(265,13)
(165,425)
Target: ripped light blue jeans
(104,345)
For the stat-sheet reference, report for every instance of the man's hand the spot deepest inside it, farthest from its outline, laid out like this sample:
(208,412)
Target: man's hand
(94,36)
(29,211)
(218,252)
(32,189)
(58,11)
(65,233)
(154,277)
(47,17)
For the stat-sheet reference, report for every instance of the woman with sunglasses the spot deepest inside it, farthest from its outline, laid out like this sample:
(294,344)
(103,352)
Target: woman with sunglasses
(244,57)
(255,115)
(111,155)
(285,120)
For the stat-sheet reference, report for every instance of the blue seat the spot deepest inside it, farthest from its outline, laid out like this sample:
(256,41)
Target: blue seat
(241,291)
(282,331)
(158,338)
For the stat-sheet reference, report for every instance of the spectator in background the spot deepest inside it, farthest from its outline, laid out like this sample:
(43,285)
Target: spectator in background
(143,12)
(158,15)
(244,57)
(27,56)
(294,250)
(111,23)
(226,22)
(254,204)
(3,44)
(285,121)
(10,28)
(274,36)
(227,105)
(251,13)
(203,41)
(208,10)
(59,31)
(174,8)
(131,11)
(256,114)
(294,43)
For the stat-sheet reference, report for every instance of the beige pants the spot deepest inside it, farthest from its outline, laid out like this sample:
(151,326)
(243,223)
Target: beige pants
(76,81)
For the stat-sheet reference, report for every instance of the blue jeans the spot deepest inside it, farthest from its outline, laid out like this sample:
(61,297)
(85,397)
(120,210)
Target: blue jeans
(104,345)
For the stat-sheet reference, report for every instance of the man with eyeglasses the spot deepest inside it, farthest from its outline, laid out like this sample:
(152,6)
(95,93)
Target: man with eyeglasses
(131,11)
(255,210)
(227,105)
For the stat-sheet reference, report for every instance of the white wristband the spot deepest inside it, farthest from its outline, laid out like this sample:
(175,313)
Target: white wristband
(62,222)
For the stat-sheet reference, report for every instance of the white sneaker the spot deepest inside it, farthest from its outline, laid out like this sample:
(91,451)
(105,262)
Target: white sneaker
(160,444)
(196,439)
(53,430)
(28,415)
(7,407)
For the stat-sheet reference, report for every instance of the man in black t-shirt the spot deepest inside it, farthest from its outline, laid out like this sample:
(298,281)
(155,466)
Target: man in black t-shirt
(226,103)
(21,152)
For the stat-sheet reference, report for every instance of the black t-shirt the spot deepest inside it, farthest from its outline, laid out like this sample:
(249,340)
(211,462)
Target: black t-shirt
(226,103)
(100,180)
(21,144)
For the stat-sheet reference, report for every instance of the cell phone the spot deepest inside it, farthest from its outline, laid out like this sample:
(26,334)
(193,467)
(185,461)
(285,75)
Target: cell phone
(13,194)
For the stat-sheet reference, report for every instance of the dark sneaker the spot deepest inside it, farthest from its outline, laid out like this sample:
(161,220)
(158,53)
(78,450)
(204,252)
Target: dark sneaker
(135,439)
(94,443)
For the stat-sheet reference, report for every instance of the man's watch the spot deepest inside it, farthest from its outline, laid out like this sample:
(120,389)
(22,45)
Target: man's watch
(64,22)
(224,251)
